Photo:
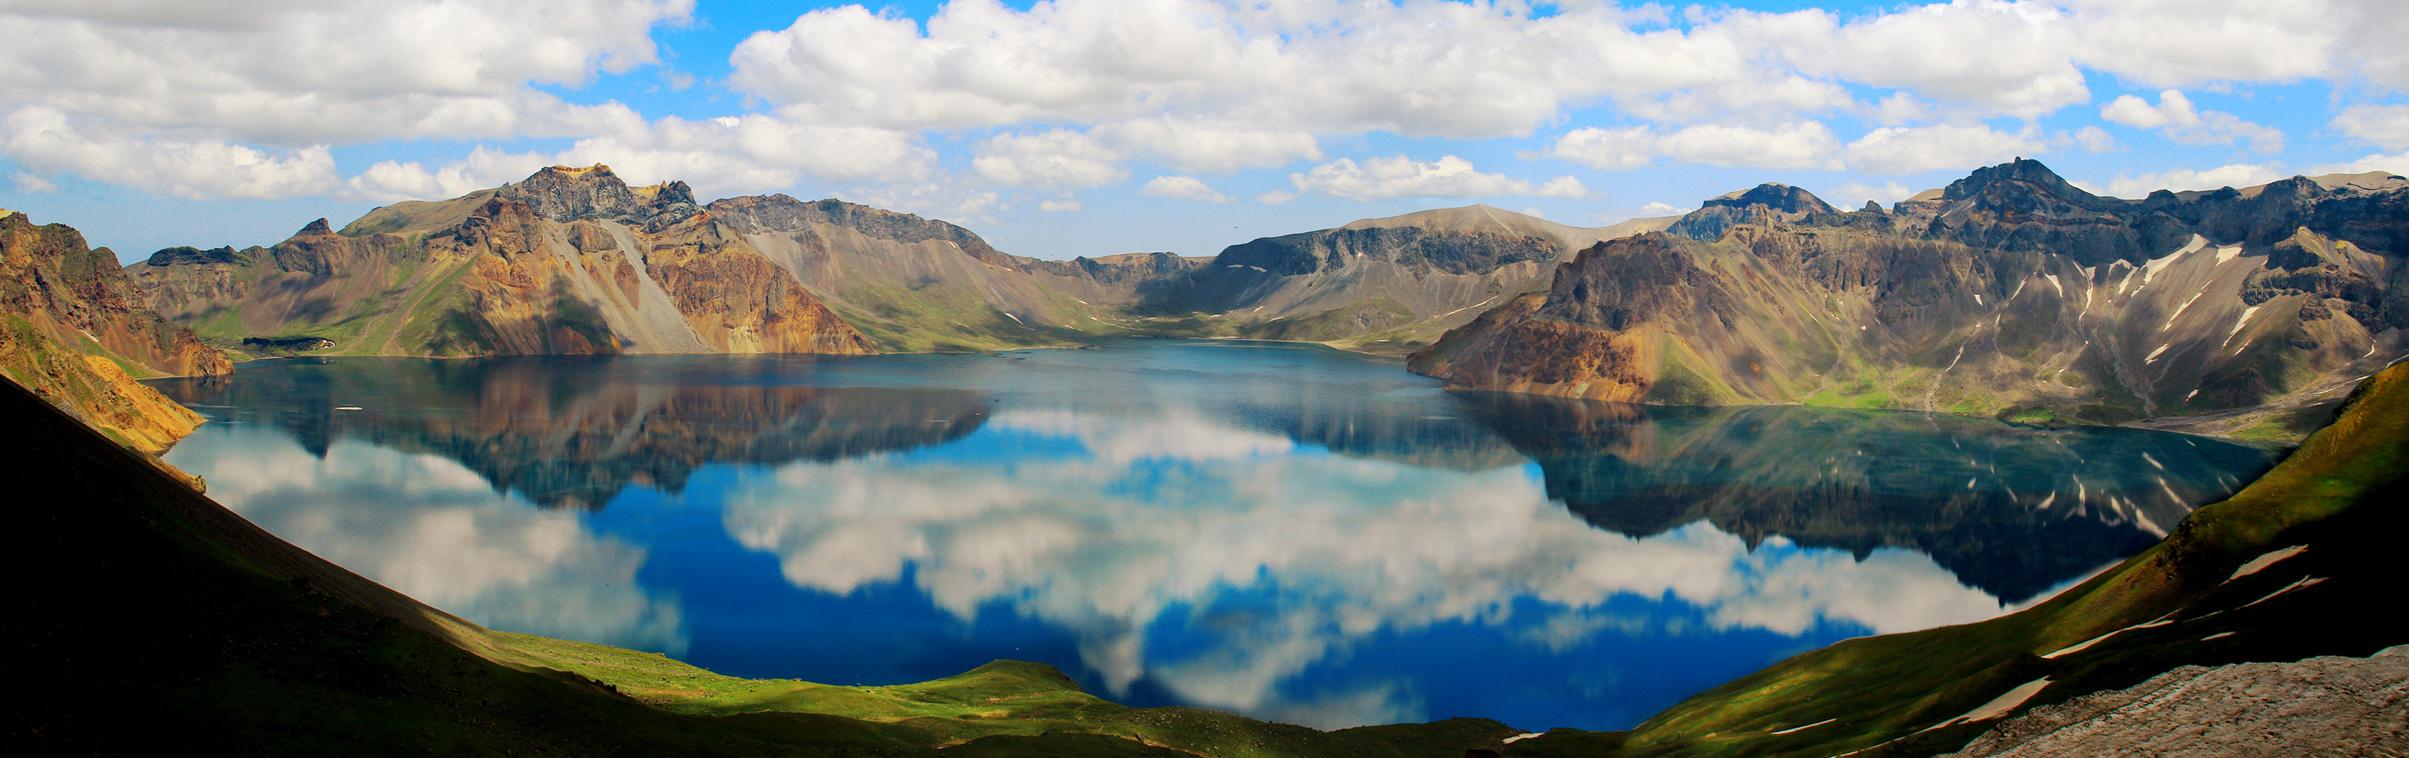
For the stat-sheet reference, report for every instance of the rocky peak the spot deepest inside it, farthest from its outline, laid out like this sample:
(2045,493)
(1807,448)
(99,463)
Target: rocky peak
(1778,197)
(1763,204)
(2018,182)
(315,228)
(563,193)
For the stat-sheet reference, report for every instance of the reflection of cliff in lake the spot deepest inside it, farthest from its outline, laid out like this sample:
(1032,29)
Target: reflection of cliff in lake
(2012,510)
(575,435)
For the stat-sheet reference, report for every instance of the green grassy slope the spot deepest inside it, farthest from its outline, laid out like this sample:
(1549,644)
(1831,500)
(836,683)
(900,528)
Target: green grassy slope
(2339,496)
(156,620)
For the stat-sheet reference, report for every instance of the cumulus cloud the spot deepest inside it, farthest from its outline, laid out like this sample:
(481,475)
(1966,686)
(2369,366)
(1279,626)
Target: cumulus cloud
(2385,126)
(1807,144)
(298,74)
(1917,149)
(31,184)
(2229,175)
(48,140)
(2175,117)
(1182,188)
(723,156)
(1062,205)
(1399,176)
(1853,194)
(1274,197)
(1058,159)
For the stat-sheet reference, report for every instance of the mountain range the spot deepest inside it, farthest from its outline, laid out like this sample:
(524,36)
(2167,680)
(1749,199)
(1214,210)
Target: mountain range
(2010,292)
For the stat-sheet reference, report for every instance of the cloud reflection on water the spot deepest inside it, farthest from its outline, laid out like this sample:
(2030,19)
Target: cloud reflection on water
(438,532)
(1176,513)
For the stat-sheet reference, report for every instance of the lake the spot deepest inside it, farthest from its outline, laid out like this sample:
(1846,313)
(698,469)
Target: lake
(1285,531)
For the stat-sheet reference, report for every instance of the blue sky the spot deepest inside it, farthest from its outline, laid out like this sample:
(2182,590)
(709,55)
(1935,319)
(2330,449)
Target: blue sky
(1087,127)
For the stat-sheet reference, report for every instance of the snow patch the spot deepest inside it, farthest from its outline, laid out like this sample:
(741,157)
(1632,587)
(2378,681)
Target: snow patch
(2155,353)
(1797,729)
(2054,283)
(2271,558)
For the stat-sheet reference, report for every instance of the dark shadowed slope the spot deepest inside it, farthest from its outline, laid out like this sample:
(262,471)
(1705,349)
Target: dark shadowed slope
(2302,563)
(155,620)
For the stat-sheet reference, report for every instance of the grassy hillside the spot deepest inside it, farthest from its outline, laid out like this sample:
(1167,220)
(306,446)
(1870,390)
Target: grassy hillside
(2288,568)
(179,626)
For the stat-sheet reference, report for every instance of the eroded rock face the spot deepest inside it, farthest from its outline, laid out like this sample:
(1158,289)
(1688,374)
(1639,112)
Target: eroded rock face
(2328,705)
(566,262)
(69,316)
(2011,292)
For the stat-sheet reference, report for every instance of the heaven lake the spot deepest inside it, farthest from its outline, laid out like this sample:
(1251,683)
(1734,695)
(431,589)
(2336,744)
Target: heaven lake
(1285,531)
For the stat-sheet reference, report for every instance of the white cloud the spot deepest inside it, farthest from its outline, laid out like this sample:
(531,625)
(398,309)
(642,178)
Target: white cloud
(1182,188)
(300,74)
(1917,149)
(2230,175)
(2093,139)
(2181,42)
(1275,197)
(723,156)
(1659,208)
(1853,194)
(47,140)
(1807,144)
(2005,58)
(1058,159)
(2175,117)
(31,184)
(2384,126)
(1399,176)
(2397,163)
(1215,147)
(1064,205)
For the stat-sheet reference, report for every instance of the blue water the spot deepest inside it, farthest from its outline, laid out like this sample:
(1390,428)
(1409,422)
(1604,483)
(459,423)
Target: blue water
(1288,532)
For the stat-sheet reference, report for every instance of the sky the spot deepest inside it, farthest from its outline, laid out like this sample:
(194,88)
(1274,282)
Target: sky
(1058,128)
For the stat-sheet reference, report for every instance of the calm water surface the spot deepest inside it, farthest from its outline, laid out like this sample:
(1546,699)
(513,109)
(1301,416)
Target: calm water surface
(1288,532)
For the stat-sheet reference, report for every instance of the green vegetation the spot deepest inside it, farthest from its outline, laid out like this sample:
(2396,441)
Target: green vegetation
(219,638)
(2337,495)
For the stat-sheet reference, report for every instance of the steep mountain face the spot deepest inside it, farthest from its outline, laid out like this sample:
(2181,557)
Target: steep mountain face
(570,261)
(1380,284)
(575,261)
(2010,292)
(74,330)
(915,284)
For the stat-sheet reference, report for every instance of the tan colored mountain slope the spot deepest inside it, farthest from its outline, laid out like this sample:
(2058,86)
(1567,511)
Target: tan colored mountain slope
(1383,285)
(73,330)
(2011,293)
(569,261)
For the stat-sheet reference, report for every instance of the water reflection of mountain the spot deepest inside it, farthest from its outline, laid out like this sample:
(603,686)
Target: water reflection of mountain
(2011,510)
(576,437)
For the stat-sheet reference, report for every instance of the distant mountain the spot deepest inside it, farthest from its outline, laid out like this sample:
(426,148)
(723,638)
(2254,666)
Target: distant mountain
(2010,293)
(1386,284)
(74,330)
(575,261)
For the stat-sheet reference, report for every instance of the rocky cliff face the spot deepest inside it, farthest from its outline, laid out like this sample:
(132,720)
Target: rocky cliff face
(1390,284)
(74,330)
(576,261)
(569,261)
(2009,293)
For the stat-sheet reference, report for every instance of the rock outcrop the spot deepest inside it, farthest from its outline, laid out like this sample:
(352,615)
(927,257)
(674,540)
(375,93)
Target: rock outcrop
(1384,285)
(576,261)
(74,330)
(570,261)
(2009,293)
